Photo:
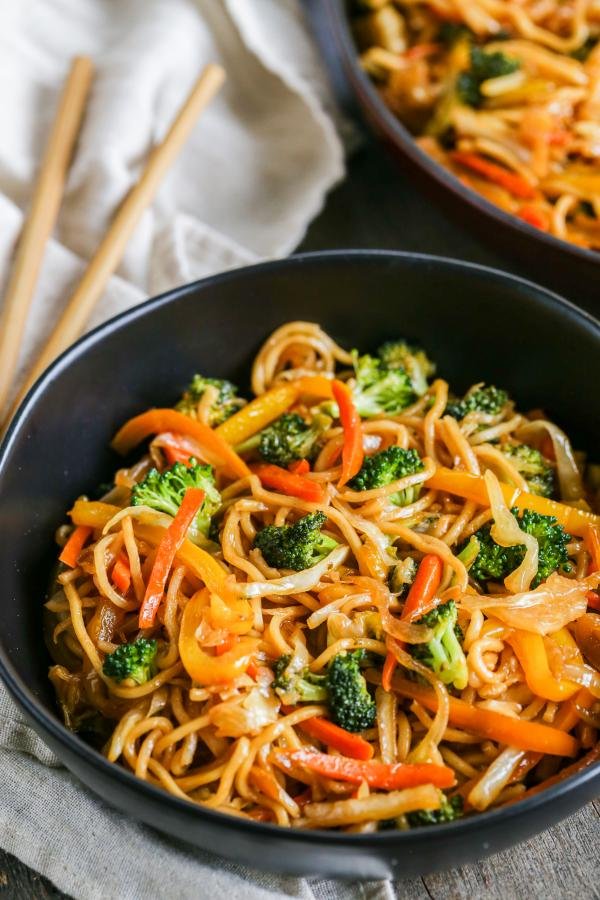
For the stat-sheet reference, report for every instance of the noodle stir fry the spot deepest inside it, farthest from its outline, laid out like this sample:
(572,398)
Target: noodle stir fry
(356,601)
(504,94)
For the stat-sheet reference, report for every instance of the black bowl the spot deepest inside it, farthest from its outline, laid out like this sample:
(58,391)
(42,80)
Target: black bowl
(477,323)
(559,264)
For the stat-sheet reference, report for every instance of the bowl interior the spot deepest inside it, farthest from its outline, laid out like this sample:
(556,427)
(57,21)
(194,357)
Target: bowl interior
(476,324)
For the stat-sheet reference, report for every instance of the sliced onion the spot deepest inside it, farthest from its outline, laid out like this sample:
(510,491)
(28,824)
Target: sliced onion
(495,778)
(404,631)
(546,609)
(506,532)
(569,477)
(296,583)
(582,675)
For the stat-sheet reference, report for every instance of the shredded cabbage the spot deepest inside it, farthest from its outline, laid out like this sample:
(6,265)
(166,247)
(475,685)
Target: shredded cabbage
(569,477)
(506,532)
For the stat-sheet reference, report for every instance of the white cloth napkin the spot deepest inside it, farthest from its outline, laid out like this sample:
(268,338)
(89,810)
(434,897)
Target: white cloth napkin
(245,187)
(247,183)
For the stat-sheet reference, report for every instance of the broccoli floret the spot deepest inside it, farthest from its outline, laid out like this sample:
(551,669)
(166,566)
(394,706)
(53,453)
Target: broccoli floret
(225,404)
(290,438)
(164,492)
(387,466)
(443,653)
(350,703)
(451,809)
(483,66)
(297,546)
(537,471)
(378,389)
(489,400)
(136,661)
(298,686)
(494,563)
(415,362)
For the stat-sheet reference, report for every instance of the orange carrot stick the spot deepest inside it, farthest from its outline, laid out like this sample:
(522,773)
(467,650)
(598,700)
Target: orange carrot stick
(121,574)
(278,479)
(70,552)
(165,554)
(352,452)
(512,182)
(338,738)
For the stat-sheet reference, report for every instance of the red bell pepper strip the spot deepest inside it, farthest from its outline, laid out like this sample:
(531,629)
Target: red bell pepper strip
(121,574)
(70,552)
(341,740)
(352,451)
(290,483)
(165,554)
(384,776)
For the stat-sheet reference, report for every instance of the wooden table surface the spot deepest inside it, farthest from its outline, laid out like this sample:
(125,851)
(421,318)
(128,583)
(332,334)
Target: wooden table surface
(375,208)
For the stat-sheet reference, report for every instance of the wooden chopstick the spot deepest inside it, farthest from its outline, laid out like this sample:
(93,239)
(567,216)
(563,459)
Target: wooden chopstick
(40,221)
(111,249)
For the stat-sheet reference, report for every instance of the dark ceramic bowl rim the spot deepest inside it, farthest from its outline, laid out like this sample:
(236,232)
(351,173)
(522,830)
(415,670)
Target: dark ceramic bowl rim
(400,135)
(51,723)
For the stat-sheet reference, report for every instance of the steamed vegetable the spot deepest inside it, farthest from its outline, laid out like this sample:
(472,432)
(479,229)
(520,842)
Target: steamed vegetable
(298,546)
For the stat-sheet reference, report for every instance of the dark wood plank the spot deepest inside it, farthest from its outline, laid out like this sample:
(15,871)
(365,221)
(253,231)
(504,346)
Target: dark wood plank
(17,882)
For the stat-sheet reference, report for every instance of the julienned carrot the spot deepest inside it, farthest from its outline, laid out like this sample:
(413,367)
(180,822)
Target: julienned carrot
(472,487)
(534,217)
(165,554)
(338,738)
(299,467)
(257,414)
(70,552)
(217,450)
(278,479)
(512,182)
(121,574)
(385,776)
(418,602)
(493,725)
(352,451)
(424,587)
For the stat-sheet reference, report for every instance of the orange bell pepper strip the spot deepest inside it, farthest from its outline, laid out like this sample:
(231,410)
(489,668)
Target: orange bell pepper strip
(317,386)
(512,182)
(352,451)
(472,487)
(493,725)
(418,602)
(592,543)
(289,483)
(165,554)
(384,776)
(93,513)
(156,421)
(78,537)
(338,738)
(530,650)
(121,574)
(257,414)
(203,668)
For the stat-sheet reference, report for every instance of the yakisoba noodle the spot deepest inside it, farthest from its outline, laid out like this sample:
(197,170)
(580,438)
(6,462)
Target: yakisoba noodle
(504,94)
(219,717)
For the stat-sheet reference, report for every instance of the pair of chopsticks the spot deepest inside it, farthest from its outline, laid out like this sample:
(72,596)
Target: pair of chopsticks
(44,211)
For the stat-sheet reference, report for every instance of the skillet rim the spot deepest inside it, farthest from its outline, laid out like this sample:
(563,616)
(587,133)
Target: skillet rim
(50,723)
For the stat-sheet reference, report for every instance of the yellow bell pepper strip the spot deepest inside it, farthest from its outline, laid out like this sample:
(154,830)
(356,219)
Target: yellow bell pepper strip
(70,552)
(156,421)
(472,487)
(203,668)
(493,725)
(92,513)
(257,414)
(530,650)
(317,386)
(165,554)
